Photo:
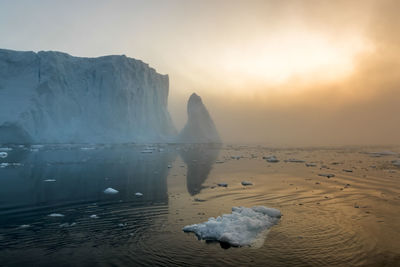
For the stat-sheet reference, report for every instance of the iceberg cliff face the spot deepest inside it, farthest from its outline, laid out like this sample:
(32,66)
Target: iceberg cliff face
(52,97)
(199,128)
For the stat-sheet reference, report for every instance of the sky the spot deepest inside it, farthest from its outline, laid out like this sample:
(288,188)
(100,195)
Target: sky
(270,72)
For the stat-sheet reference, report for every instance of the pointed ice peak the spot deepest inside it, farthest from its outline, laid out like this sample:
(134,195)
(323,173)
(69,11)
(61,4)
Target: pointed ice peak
(200,127)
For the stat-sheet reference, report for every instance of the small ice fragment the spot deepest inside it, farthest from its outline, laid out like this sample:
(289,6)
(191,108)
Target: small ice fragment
(3,155)
(327,175)
(5,148)
(243,227)
(24,226)
(271,159)
(146,151)
(122,224)
(396,163)
(295,160)
(223,184)
(245,183)
(63,225)
(311,164)
(56,215)
(94,216)
(4,164)
(49,180)
(138,194)
(111,191)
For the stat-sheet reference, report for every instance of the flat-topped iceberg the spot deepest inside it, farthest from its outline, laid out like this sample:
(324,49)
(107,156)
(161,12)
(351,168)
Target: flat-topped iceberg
(243,227)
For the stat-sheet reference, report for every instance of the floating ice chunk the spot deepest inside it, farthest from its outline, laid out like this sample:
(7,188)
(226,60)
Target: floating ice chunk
(5,148)
(138,194)
(396,163)
(223,184)
(245,183)
(111,191)
(382,153)
(243,227)
(24,226)
(63,225)
(311,164)
(295,160)
(4,164)
(327,175)
(56,215)
(49,180)
(147,151)
(122,224)
(94,216)
(3,155)
(88,148)
(271,159)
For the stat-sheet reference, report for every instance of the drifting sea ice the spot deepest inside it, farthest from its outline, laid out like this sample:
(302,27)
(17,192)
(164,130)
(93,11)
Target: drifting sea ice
(3,155)
(138,194)
(243,227)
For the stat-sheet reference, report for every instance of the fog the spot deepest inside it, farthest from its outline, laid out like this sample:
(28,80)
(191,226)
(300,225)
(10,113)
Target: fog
(270,72)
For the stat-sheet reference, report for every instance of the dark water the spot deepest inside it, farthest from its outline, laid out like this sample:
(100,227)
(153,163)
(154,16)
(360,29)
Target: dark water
(349,220)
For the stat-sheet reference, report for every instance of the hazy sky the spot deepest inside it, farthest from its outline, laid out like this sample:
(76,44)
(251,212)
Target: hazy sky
(273,72)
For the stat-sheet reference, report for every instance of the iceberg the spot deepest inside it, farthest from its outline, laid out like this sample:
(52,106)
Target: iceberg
(53,97)
(243,227)
(200,127)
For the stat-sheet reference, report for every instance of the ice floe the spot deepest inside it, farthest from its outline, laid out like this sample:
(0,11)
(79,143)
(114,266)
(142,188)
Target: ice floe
(3,155)
(111,191)
(243,227)
(94,216)
(49,180)
(138,194)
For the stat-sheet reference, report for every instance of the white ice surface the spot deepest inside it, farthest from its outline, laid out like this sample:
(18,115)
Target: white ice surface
(110,191)
(3,155)
(243,227)
(138,194)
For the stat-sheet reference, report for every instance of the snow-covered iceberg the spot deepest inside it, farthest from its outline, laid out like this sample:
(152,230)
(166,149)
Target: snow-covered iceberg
(52,97)
(243,227)
(200,127)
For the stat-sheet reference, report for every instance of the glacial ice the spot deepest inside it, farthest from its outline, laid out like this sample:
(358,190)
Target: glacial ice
(52,97)
(243,227)
(200,127)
